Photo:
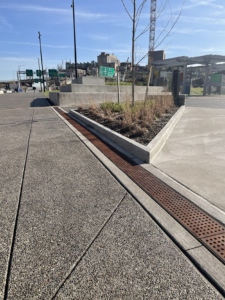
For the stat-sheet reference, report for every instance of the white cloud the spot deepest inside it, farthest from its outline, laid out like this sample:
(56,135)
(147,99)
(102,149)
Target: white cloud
(4,22)
(99,37)
(193,31)
(36,44)
(203,3)
(44,9)
(200,20)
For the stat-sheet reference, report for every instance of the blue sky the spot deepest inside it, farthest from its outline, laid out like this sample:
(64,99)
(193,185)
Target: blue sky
(101,26)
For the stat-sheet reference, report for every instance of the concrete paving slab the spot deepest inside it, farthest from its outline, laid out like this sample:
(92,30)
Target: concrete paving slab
(213,101)
(22,100)
(133,259)
(194,153)
(66,198)
(13,147)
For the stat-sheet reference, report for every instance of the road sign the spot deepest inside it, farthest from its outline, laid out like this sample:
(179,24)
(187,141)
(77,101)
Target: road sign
(41,80)
(38,73)
(216,78)
(107,72)
(111,72)
(29,73)
(36,80)
(53,73)
(62,75)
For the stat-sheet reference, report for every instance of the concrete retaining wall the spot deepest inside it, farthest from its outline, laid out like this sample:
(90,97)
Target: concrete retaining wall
(89,80)
(54,97)
(91,88)
(77,99)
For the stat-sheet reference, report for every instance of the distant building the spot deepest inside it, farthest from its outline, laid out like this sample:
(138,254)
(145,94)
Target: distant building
(125,66)
(158,55)
(68,65)
(108,60)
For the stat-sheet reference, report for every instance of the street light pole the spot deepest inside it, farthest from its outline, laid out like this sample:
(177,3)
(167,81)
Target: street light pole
(41,60)
(18,75)
(75,47)
(39,73)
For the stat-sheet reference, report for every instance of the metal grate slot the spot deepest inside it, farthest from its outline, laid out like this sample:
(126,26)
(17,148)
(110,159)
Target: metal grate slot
(217,244)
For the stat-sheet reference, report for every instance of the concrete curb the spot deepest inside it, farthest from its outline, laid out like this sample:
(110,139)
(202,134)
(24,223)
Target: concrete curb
(203,259)
(145,153)
(156,145)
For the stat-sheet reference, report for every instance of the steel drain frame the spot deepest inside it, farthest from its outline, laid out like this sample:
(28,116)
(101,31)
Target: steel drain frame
(207,230)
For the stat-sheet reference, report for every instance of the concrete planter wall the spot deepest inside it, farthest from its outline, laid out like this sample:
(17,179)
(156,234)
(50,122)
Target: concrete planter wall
(145,153)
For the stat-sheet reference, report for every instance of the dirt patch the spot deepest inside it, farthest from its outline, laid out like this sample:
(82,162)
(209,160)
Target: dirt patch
(143,134)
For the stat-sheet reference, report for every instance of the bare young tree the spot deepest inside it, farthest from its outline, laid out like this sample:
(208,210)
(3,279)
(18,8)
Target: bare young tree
(167,31)
(135,20)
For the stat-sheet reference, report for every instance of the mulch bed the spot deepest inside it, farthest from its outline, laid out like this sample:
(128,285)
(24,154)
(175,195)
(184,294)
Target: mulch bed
(143,138)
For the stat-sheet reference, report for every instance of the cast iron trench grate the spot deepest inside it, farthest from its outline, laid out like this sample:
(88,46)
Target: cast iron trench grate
(205,228)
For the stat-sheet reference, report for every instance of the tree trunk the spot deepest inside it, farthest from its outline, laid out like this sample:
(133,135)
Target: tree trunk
(149,78)
(133,42)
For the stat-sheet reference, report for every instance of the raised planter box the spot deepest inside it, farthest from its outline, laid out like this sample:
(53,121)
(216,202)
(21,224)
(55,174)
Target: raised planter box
(145,153)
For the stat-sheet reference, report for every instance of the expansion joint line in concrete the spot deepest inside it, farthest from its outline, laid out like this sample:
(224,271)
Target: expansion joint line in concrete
(17,216)
(76,263)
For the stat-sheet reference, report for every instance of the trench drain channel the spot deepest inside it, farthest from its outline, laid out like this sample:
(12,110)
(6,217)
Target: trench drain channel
(202,226)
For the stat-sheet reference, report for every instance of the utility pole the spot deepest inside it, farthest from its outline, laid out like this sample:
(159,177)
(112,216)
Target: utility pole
(40,74)
(75,47)
(18,76)
(41,60)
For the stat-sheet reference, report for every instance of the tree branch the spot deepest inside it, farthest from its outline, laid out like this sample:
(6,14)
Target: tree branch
(164,29)
(138,14)
(145,30)
(168,34)
(163,7)
(127,10)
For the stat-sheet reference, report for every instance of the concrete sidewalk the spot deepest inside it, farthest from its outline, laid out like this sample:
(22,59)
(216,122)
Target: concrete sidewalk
(22,100)
(74,217)
(194,153)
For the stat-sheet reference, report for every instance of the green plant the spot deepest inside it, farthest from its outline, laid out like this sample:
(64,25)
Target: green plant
(113,107)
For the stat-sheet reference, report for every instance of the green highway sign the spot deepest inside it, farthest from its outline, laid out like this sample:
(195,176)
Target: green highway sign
(107,72)
(36,80)
(62,75)
(29,73)
(38,73)
(111,72)
(53,73)
(103,71)
(216,78)
(41,80)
